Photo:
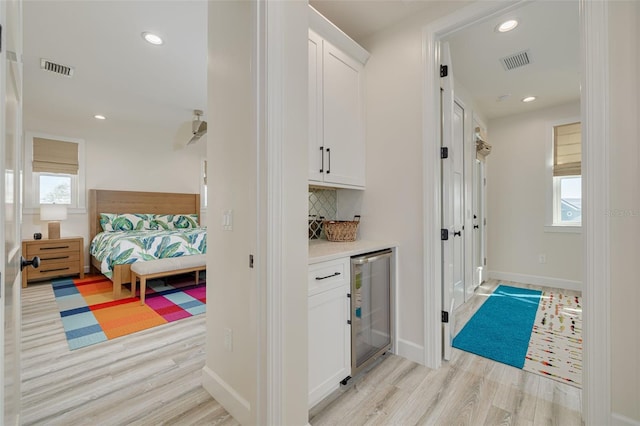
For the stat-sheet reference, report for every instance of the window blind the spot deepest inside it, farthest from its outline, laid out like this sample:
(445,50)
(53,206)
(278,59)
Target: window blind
(53,156)
(567,150)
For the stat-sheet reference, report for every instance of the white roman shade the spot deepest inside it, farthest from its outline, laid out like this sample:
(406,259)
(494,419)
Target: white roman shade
(53,156)
(567,150)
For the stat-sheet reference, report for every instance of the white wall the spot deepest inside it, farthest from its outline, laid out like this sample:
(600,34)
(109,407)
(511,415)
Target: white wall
(517,186)
(624,72)
(257,168)
(120,157)
(392,205)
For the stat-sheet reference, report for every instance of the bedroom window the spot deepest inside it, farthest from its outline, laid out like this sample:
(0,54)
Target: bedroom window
(567,175)
(54,172)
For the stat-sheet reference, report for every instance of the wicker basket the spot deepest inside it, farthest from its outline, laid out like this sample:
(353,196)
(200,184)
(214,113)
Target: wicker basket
(341,230)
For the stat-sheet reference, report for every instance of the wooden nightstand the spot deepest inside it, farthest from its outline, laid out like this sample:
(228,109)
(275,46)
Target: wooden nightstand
(58,257)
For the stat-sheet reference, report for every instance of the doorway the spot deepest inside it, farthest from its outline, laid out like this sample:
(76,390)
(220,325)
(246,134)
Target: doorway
(594,39)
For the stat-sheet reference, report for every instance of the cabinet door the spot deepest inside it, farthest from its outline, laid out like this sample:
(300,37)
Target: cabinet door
(316,171)
(329,342)
(343,125)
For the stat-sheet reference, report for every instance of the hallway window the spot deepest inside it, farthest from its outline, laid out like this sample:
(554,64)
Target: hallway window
(567,174)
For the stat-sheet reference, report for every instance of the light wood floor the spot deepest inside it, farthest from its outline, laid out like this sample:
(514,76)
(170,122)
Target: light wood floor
(468,390)
(154,377)
(147,378)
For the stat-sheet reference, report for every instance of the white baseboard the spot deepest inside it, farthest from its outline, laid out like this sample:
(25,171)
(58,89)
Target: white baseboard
(537,280)
(410,351)
(620,420)
(227,396)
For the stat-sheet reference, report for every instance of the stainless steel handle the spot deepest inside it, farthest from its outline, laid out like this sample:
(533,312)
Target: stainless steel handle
(335,274)
(367,259)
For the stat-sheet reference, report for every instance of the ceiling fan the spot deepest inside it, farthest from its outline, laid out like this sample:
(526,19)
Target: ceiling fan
(198,127)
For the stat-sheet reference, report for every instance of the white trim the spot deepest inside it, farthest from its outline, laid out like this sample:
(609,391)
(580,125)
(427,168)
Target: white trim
(410,350)
(596,393)
(273,91)
(595,133)
(327,30)
(620,420)
(226,395)
(576,229)
(536,280)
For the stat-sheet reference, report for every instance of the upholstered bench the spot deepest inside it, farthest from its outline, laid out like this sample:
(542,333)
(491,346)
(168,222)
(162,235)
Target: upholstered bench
(163,268)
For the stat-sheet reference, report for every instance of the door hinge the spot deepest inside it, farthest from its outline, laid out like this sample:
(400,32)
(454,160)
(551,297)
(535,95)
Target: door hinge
(349,295)
(444,234)
(444,70)
(444,152)
(250,261)
(349,322)
(0,38)
(445,316)
(485,261)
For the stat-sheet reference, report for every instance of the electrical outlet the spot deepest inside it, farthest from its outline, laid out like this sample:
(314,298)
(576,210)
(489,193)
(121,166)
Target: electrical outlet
(542,258)
(228,340)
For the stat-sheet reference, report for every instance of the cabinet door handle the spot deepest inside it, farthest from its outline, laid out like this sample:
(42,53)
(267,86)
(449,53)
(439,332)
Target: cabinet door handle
(322,156)
(329,167)
(335,274)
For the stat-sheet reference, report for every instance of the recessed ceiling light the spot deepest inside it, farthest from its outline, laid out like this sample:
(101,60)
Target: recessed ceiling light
(99,117)
(529,99)
(507,26)
(152,38)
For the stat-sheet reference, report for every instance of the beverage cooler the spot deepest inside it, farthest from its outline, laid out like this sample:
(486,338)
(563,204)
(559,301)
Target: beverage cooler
(371,330)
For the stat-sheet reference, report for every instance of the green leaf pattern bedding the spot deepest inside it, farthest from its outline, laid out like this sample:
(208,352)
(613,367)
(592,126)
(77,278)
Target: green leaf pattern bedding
(122,247)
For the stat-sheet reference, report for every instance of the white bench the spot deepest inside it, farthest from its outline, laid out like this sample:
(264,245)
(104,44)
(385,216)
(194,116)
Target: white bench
(163,268)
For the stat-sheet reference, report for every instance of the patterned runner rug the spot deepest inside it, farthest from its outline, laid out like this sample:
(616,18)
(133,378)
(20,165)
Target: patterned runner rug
(90,315)
(555,348)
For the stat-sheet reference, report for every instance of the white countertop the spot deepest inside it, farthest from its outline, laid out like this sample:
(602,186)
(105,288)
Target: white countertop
(323,250)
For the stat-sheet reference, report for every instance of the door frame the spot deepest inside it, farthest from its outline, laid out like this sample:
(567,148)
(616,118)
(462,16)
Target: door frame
(594,33)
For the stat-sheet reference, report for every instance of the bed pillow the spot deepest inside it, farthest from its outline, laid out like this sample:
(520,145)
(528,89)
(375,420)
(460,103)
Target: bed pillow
(111,222)
(175,221)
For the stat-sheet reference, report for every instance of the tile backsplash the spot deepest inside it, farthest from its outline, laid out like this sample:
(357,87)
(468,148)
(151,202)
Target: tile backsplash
(322,203)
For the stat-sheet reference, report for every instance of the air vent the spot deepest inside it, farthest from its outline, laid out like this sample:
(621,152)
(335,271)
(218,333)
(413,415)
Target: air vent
(516,60)
(47,65)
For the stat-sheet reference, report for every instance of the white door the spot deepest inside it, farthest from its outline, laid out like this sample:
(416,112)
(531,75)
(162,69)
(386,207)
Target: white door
(10,213)
(479,222)
(452,202)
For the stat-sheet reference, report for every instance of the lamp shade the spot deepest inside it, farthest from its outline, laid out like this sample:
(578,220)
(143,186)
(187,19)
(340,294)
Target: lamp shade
(53,212)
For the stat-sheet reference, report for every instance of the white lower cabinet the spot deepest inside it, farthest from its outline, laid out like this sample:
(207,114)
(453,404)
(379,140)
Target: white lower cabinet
(329,330)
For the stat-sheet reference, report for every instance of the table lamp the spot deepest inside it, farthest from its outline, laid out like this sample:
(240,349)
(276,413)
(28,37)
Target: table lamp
(53,213)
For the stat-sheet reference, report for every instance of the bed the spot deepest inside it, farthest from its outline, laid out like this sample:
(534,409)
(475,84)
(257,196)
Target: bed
(148,203)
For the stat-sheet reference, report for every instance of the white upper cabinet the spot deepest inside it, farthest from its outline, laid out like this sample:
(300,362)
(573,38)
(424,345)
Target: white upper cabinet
(336,112)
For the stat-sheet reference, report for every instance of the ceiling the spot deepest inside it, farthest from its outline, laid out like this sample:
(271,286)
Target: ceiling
(119,75)
(549,31)
(116,73)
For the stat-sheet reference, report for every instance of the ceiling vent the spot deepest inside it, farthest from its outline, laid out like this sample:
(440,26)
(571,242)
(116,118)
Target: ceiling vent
(516,60)
(47,65)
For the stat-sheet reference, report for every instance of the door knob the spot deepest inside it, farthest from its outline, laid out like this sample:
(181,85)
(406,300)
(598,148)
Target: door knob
(35,262)
(459,233)
(475,226)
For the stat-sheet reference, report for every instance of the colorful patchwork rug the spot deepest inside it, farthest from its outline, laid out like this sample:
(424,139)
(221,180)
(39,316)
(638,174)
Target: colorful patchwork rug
(90,315)
(555,347)
(539,332)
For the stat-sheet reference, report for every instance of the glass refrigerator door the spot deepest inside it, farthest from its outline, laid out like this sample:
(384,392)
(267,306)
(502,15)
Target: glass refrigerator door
(370,316)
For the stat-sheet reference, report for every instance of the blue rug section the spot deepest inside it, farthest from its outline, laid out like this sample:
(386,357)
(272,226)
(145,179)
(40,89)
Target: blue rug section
(500,330)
